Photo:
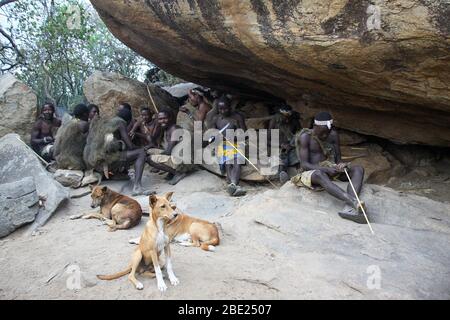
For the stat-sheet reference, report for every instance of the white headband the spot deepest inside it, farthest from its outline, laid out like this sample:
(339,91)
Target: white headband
(327,123)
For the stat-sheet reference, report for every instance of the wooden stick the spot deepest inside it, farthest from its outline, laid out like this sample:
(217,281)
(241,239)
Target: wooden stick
(151,98)
(359,202)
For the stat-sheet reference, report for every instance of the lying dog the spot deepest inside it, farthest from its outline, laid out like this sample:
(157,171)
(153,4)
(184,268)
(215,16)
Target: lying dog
(191,232)
(117,210)
(153,241)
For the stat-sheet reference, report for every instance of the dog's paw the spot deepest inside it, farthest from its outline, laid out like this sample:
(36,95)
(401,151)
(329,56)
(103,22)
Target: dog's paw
(139,286)
(162,286)
(174,280)
(111,229)
(76,216)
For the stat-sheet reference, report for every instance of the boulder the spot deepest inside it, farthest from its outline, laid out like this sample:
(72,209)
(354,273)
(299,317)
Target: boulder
(69,178)
(181,90)
(349,138)
(368,62)
(17,161)
(19,204)
(18,105)
(258,123)
(257,109)
(109,89)
(374,160)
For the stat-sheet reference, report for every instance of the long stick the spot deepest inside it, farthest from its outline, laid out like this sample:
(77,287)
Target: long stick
(359,202)
(243,155)
(39,157)
(151,98)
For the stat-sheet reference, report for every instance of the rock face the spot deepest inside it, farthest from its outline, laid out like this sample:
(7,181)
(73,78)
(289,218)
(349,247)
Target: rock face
(69,178)
(181,90)
(18,204)
(18,162)
(18,105)
(108,90)
(381,67)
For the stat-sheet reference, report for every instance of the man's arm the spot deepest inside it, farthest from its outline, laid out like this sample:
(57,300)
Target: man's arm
(335,142)
(35,133)
(135,128)
(171,143)
(125,138)
(202,111)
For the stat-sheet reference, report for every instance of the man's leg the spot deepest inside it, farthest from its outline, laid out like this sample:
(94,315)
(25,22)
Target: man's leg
(284,162)
(349,211)
(138,156)
(356,173)
(322,179)
(234,174)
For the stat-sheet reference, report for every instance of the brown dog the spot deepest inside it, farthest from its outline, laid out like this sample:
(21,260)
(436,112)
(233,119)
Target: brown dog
(191,232)
(117,210)
(153,241)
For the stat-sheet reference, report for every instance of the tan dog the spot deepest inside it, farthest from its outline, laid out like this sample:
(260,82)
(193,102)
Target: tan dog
(117,210)
(191,232)
(153,241)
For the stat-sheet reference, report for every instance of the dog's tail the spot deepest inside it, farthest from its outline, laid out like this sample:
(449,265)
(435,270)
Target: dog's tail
(115,275)
(210,244)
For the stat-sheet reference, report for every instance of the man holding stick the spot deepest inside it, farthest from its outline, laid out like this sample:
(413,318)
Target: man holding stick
(320,157)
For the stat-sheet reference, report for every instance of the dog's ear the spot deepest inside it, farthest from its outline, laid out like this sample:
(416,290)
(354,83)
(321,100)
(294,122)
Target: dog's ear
(104,188)
(168,195)
(153,199)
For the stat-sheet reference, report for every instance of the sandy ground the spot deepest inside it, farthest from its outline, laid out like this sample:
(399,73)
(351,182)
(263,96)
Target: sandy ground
(274,246)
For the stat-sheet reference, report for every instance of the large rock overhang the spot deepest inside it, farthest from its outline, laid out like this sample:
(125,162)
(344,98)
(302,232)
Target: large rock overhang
(381,67)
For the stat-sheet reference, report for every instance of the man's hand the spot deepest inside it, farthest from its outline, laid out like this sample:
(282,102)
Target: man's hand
(285,146)
(341,166)
(183,109)
(132,134)
(48,140)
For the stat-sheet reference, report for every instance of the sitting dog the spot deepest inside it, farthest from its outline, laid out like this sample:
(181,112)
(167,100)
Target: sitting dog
(117,210)
(191,232)
(153,241)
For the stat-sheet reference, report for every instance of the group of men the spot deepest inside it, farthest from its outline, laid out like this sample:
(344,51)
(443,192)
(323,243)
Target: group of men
(315,152)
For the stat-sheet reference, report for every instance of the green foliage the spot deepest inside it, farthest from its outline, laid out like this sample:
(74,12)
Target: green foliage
(62,43)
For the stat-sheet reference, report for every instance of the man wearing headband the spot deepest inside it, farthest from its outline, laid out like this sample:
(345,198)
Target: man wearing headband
(320,157)
(287,122)
(196,109)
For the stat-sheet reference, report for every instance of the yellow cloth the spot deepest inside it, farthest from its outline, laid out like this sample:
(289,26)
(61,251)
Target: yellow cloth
(303,179)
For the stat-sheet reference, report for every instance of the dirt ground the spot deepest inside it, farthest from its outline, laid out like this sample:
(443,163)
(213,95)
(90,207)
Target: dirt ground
(276,244)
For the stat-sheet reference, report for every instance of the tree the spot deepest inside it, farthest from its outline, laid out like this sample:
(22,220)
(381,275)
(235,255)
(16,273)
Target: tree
(58,44)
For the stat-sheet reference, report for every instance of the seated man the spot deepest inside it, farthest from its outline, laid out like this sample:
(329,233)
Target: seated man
(43,132)
(228,154)
(195,109)
(71,140)
(160,149)
(320,157)
(146,129)
(288,123)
